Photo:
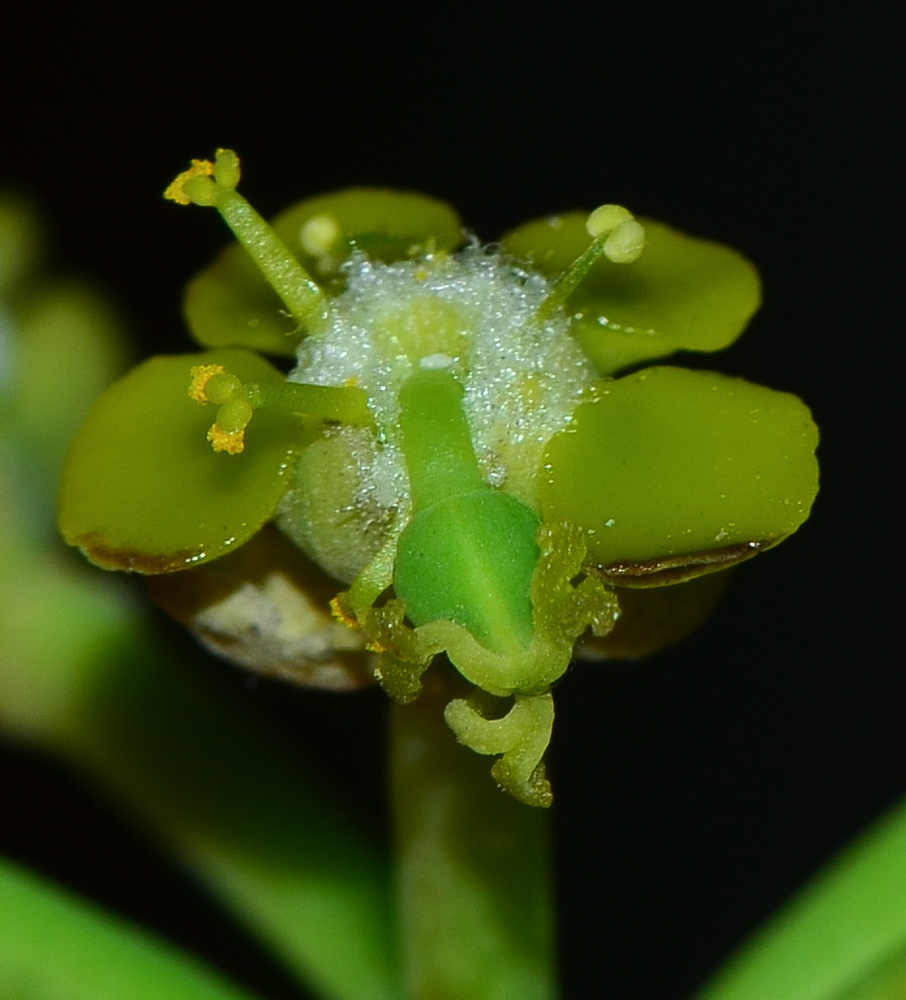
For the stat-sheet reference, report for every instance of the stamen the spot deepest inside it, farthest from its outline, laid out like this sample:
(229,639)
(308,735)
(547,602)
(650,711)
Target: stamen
(605,219)
(232,442)
(201,375)
(615,234)
(176,191)
(214,184)
(237,401)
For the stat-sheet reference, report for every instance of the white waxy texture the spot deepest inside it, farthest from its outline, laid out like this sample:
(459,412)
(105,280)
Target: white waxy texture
(475,313)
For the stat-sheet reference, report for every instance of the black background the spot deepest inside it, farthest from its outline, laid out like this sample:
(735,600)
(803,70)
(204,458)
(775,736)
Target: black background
(696,790)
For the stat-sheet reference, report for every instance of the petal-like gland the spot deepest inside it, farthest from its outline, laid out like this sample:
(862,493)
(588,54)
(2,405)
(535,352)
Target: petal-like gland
(142,488)
(669,462)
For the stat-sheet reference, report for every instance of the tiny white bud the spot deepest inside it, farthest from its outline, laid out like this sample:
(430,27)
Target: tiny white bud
(319,234)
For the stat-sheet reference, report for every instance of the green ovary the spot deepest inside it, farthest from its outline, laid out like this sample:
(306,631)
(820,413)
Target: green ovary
(470,560)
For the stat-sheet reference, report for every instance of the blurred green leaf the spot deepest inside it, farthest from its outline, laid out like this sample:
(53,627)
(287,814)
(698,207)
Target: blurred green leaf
(842,938)
(54,946)
(265,839)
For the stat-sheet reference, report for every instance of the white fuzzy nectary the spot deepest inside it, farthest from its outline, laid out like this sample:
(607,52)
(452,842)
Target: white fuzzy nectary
(474,312)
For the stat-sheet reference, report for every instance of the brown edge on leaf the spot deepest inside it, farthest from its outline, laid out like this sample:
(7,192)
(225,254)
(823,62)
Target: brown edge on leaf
(134,560)
(678,569)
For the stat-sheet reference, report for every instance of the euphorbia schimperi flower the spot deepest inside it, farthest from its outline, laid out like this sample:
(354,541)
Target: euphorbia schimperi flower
(465,458)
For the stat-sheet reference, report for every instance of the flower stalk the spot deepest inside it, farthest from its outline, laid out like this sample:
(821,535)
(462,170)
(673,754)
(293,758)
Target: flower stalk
(473,882)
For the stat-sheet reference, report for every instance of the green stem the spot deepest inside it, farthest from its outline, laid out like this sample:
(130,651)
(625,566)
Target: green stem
(567,282)
(345,404)
(473,878)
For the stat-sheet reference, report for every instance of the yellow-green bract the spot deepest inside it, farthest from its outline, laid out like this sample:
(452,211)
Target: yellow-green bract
(464,445)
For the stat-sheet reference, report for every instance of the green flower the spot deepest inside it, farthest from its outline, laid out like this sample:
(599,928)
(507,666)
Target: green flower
(465,457)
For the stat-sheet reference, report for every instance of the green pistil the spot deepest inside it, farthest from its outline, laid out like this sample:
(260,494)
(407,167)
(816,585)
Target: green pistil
(469,552)
(615,234)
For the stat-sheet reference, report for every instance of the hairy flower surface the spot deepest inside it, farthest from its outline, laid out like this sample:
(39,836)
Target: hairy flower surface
(462,455)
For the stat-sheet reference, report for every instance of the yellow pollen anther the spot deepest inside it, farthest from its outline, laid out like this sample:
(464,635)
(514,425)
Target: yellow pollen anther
(341,614)
(201,375)
(232,442)
(199,168)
